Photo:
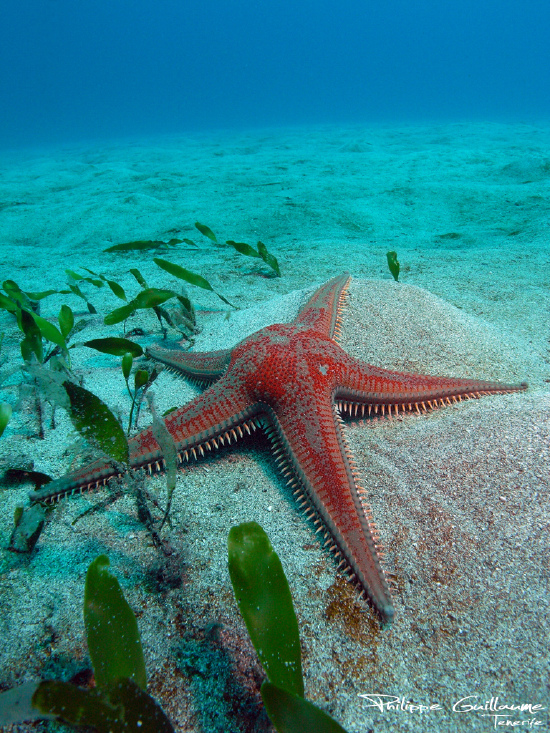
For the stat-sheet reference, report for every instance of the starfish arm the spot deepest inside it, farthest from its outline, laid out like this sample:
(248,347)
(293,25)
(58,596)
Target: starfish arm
(322,311)
(205,366)
(364,389)
(310,443)
(220,415)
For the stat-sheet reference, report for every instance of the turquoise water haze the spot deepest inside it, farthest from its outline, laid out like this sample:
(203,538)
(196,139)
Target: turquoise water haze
(72,71)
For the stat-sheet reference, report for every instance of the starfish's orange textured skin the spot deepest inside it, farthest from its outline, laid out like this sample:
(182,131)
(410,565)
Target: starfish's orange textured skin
(294,381)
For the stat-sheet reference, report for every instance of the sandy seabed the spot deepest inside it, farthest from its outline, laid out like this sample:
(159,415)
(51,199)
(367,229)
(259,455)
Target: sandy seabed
(460,496)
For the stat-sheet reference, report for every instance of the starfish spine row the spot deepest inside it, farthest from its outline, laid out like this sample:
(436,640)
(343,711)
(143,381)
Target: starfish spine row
(362,409)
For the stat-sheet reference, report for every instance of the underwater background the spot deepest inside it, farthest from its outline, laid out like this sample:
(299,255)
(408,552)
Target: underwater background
(74,71)
(333,133)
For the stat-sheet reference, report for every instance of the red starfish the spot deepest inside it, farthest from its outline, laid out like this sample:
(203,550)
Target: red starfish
(294,381)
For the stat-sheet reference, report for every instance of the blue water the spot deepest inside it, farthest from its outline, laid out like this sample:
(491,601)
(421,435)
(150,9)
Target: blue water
(107,68)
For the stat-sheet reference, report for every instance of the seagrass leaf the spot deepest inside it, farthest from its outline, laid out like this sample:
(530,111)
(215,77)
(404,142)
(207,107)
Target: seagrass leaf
(49,331)
(183,274)
(142,244)
(244,249)
(292,714)
(151,297)
(5,415)
(137,245)
(42,294)
(393,265)
(119,314)
(115,346)
(117,289)
(203,229)
(96,423)
(111,628)
(139,277)
(15,292)
(32,343)
(65,320)
(8,304)
(268,258)
(264,600)
(78,706)
(191,277)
